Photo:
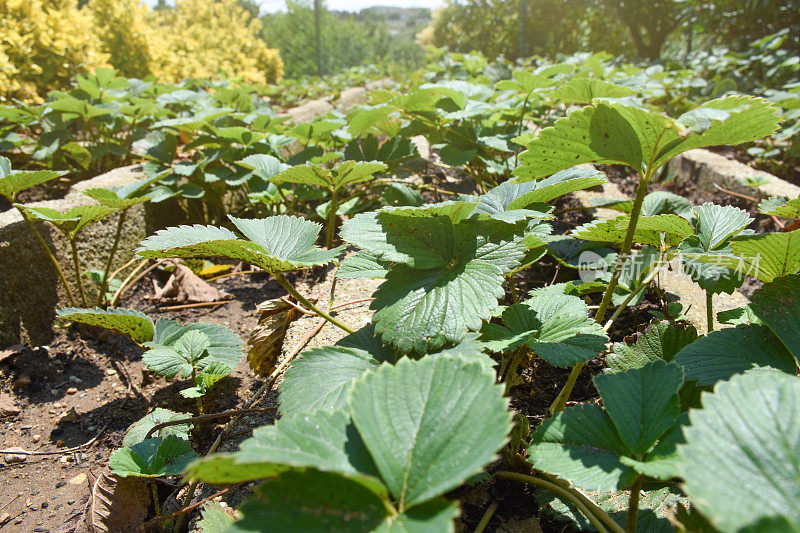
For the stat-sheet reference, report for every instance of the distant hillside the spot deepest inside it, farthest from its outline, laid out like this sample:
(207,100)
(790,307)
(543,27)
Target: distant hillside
(403,22)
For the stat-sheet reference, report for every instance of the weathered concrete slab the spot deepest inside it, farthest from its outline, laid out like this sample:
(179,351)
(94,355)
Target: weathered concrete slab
(708,168)
(29,288)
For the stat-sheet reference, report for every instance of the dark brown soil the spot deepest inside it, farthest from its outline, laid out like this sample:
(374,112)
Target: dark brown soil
(112,390)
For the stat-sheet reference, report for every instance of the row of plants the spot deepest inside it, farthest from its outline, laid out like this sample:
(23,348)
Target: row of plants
(376,430)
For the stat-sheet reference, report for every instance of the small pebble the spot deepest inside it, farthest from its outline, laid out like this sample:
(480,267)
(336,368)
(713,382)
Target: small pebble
(13,457)
(72,390)
(60,484)
(70,502)
(5,517)
(36,438)
(45,505)
(61,443)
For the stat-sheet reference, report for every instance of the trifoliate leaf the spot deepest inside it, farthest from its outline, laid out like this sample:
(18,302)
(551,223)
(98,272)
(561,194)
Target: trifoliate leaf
(321,440)
(780,207)
(12,182)
(70,222)
(277,243)
(138,326)
(662,340)
(765,256)
(730,351)
(642,402)
(345,173)
(649,230)
(747,433)
(663,203)
(321,378)
(112,199)
(512,201)
(452,421)
(204,379)
(526,82)
(617,133)
(715,224)
(154,457)
(177,349)
(137,431)
(454,266)
(555,325)
(581,445)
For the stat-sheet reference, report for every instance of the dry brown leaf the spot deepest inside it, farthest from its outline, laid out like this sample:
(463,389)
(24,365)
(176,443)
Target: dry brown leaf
(185,287)
(117,504)
(266,340)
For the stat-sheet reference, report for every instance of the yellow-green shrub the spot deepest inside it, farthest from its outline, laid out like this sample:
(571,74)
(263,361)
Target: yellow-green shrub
(198,38)
(123,29)
(43,44)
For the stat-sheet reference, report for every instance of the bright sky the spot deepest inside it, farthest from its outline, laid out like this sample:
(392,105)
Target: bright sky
(271,6)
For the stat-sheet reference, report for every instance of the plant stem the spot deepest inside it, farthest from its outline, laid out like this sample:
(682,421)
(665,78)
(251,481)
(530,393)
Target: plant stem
(561,400)
(512,287)
(156,503)
(77,266)
(104,282)
(330,229)
(283,282)
(621,307)
(633,505)
(486,517)
(52,257)
(710,311)
(593,513)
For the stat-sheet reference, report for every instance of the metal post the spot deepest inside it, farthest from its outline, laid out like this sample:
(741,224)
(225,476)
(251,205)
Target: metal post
(522,16)
(318,26)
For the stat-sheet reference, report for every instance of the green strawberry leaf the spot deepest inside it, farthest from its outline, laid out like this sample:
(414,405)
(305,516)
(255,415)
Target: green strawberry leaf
(607,133)
(138,326)
(747,433)
(730,351)
(154,457)
(12,182)
(276,244)
(780,207)
(137,431)
(71,222)
(112,199)
(300,502)
(715,224)
(321,378)
(345,173)
(662,340)
(447,268)
(642,402)
(584,90)
(452,422)
(649,230)
(362,265)
(555,325)
(765,256)
(581,444)
(264,166)
(325,441)
(777,305)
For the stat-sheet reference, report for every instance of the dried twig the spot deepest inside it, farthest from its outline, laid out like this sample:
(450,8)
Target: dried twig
(157,520)
(60,452)
(192,306)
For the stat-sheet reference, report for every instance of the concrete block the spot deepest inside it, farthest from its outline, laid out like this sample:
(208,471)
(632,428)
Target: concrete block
(29,287)
(708,168)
